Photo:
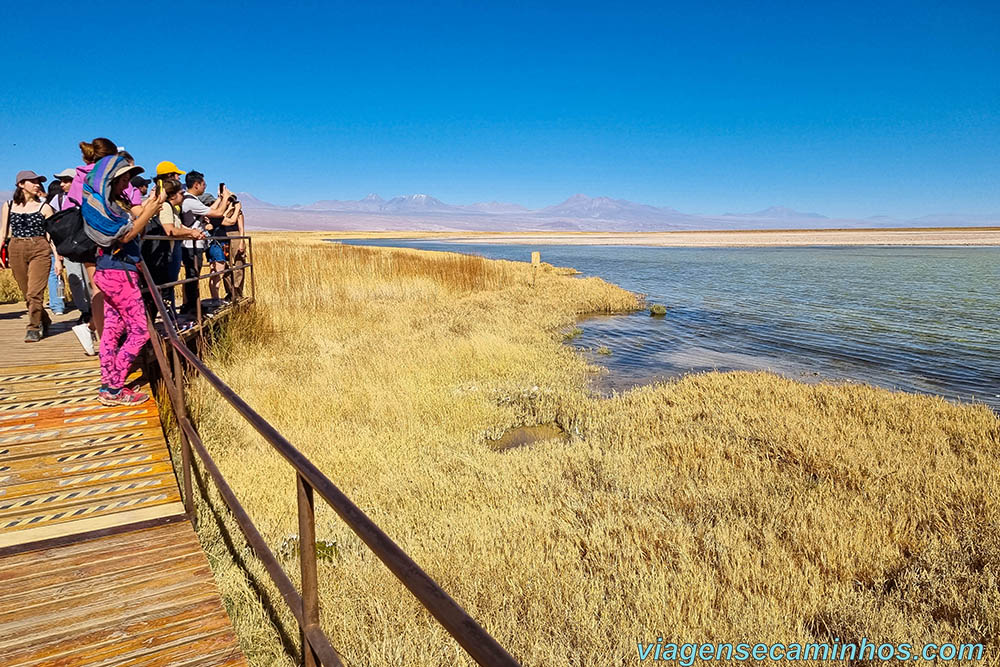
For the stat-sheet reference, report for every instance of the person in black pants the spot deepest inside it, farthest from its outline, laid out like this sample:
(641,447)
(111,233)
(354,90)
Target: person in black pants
(193,214)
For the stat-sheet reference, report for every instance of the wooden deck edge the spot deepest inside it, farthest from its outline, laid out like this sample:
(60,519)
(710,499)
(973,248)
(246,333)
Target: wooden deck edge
(126,522)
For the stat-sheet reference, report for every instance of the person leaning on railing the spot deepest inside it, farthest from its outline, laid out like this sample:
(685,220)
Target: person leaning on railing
(163,258)
(232,225)
(193,214)
(30,250)
(106,212)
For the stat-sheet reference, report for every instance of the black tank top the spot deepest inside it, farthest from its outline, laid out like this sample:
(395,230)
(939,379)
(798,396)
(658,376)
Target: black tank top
(27,225)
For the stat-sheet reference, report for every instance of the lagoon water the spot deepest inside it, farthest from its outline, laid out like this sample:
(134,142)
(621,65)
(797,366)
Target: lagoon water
(920,319)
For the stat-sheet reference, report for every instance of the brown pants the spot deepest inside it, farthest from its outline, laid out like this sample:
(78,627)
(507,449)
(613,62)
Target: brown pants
(234,281)
(31,261)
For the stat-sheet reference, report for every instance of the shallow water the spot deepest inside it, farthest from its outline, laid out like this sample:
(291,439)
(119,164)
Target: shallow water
(919,319)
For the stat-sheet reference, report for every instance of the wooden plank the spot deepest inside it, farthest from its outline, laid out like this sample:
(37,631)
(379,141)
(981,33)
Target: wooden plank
(58,499)
(217,649)
(116,614)
(99,533)
(76,444)
(84,525)
(18,472)
(140,630)
(29,578)
(92,549)
(68,590)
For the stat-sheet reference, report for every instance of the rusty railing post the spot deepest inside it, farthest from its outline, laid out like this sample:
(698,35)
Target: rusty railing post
(197,308)
(181,410)
(253,272)
(307,561)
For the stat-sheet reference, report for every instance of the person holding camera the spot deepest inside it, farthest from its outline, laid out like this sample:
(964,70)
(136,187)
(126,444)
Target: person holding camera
(109,212)
(193,215)
(236,249)
(221,231)
(163,258)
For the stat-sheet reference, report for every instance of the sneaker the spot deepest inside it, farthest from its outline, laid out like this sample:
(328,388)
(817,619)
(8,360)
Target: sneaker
(86,338)
(131,397)
(32,336)
(123,396)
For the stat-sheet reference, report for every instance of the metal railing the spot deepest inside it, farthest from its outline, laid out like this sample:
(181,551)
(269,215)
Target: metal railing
(316,647)
(246,266)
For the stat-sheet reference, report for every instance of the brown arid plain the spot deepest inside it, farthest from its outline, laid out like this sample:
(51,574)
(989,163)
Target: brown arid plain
(720,507)
(925,236)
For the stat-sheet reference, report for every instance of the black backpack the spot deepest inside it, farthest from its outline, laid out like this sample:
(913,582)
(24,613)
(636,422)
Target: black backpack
(156,253)
(65,228)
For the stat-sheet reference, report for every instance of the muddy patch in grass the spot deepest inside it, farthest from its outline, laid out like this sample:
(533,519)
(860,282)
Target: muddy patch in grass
(522,436)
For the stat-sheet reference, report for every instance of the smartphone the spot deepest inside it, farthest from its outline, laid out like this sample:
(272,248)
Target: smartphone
(222,186)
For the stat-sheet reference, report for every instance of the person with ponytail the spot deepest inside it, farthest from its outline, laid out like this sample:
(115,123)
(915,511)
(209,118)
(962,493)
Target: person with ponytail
(108,221)
(91,151)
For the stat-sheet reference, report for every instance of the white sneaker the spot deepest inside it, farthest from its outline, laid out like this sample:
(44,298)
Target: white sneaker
(86,339)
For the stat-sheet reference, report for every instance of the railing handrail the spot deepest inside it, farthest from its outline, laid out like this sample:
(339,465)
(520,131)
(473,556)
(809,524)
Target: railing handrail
(208,237)
(460,625)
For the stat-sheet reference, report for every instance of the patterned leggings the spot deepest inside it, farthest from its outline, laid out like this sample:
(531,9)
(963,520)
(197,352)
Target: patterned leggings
(124,316)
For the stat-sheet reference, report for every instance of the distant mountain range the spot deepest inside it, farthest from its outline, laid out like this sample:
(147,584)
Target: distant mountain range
(422,212)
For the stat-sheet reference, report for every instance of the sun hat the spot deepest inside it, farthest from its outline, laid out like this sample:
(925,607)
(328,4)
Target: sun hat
(66,173)
(28,175)
(168,167)
(125,168)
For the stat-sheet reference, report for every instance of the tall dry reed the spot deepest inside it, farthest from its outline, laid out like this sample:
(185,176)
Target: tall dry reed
(723,507)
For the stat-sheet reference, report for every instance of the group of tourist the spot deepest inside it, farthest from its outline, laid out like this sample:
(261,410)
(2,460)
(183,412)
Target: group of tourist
(118,208)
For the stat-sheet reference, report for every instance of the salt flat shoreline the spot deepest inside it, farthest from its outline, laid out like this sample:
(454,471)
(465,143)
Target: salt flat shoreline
(969,236)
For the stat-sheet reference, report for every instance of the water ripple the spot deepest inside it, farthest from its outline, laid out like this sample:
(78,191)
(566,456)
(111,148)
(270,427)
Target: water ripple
(912,319)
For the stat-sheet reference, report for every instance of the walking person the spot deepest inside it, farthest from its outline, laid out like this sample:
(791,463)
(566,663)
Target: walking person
(106,211)
(30,251)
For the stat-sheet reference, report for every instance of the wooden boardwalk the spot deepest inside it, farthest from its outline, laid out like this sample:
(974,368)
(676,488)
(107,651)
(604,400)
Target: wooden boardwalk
(98,562)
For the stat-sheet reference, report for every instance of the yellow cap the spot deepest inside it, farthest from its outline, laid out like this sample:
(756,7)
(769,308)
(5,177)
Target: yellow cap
(167,167)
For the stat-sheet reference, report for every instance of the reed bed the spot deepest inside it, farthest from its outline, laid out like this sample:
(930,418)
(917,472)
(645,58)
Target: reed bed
(723,507)
(9,292)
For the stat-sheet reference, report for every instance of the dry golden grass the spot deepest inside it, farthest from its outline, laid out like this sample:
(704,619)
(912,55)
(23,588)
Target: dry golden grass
(9,291)
(723,507)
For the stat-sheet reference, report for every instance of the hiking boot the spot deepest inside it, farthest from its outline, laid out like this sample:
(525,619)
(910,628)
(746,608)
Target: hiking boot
(123,396)
(32,336)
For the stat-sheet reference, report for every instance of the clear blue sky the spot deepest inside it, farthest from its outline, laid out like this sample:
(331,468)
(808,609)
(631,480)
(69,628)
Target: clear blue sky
(848,109)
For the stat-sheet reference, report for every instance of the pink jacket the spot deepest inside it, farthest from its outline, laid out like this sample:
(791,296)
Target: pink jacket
(75,195)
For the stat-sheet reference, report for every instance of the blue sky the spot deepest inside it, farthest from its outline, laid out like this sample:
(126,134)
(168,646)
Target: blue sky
(848,109)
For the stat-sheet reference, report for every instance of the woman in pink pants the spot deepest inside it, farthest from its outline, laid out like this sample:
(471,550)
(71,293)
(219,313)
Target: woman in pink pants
(106,213)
